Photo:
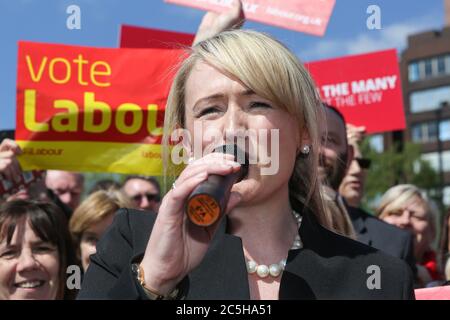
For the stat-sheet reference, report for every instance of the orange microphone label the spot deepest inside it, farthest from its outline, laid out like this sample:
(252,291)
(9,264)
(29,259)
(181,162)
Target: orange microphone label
(203,210)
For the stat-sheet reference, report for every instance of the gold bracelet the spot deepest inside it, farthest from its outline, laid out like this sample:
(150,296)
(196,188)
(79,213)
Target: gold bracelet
(153,295)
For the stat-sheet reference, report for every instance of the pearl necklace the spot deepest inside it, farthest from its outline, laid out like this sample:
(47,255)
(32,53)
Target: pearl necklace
(275,269)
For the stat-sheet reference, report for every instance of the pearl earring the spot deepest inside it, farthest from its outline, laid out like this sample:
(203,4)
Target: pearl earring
(305,150)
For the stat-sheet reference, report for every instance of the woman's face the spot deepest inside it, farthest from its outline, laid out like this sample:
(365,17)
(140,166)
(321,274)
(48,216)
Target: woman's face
(90,237)
(29,266)
(224,106)
(413,217)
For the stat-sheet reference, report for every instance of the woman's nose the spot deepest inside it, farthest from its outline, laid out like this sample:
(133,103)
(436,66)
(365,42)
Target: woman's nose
(234,123)
(27,261)
(405,220)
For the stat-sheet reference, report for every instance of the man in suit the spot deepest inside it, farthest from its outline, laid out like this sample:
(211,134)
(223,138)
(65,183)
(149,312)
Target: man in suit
(341,166)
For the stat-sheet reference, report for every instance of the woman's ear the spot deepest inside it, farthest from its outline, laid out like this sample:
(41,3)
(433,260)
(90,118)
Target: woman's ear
(303,140)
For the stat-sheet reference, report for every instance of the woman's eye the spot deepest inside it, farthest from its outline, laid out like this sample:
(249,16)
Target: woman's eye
(207,111)
(8,254)
(91,240)
(398,213)
(260,105)
(43,249)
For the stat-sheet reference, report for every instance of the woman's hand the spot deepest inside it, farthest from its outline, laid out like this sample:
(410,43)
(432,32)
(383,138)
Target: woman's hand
(9,165)
(176,246)
(214,23)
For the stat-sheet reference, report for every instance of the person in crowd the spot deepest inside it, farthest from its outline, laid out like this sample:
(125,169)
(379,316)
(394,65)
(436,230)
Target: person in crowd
(274,241)
(335,155)
(105,184)
(369,229)
(10,172)
(407,207)
(444,246)
(35,251)
(352,185)
(92,218)
(144,191)
(67,186)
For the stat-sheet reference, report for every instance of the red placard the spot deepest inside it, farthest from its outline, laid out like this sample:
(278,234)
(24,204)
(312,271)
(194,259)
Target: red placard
(139,37)
(366,88)
(309,16)
(435,293)
(92,109)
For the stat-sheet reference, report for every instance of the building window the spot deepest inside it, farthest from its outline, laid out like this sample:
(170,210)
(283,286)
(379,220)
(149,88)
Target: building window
(444,130)
(429,68)
(430,99)
(446,196)
(413,72)
(433,160)
(424,132)
(441,65)
(376,141)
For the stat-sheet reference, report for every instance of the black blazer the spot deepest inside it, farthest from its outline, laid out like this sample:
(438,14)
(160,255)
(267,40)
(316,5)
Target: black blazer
(329,266)
(383,236)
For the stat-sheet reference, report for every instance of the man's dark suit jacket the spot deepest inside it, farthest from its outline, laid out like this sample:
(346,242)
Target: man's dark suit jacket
(383,236)
(329,266)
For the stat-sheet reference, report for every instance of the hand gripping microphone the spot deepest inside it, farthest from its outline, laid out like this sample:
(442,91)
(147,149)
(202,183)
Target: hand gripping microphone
(207,203)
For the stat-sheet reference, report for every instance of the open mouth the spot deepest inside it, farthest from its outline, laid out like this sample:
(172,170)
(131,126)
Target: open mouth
(30,284)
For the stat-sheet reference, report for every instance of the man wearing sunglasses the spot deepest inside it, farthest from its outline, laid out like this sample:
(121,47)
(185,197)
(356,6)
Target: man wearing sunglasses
(352,185)
(346,170)
(144,191)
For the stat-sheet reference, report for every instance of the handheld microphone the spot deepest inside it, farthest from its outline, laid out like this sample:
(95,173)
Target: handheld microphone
(207,203)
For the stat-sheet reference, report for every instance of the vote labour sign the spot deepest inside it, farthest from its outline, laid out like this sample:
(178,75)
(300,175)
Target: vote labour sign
(92,109)
(366,88)
(309,16)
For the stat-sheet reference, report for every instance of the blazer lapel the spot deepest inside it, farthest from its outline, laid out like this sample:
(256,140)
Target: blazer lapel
(222,274)
(359,225)
(301,265)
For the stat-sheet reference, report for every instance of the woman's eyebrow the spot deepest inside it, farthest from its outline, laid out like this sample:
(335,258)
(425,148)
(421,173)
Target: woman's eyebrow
(247,92)
(40,242)
(211,97)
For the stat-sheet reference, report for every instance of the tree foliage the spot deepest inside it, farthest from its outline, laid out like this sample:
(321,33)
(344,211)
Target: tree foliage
(394,167)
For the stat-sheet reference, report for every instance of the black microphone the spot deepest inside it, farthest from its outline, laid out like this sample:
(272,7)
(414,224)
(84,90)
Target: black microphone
(207,203)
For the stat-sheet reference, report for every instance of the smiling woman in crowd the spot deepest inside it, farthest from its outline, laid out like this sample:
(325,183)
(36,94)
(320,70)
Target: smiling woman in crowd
(407,207)
(35,250)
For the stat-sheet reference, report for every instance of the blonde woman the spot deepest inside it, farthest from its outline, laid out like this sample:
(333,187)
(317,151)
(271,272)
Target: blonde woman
(273,242)
(407,207)
(90,220)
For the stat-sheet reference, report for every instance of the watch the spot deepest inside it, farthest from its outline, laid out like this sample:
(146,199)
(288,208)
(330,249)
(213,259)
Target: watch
(138,271)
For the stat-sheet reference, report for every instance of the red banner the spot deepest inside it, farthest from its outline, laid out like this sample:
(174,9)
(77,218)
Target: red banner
(366,88)
(92,109)
(139,37)
(309,16)
(435,293)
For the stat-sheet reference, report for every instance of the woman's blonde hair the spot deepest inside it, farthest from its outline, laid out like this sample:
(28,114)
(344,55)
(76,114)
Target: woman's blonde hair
(94,209)
(395,198)
(269,69)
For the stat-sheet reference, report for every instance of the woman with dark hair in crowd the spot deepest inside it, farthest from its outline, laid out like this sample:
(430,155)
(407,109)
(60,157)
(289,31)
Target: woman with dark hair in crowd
(35,251)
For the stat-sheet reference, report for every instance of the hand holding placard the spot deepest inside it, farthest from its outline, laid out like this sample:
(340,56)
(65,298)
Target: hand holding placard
(214,23)
(309,16)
